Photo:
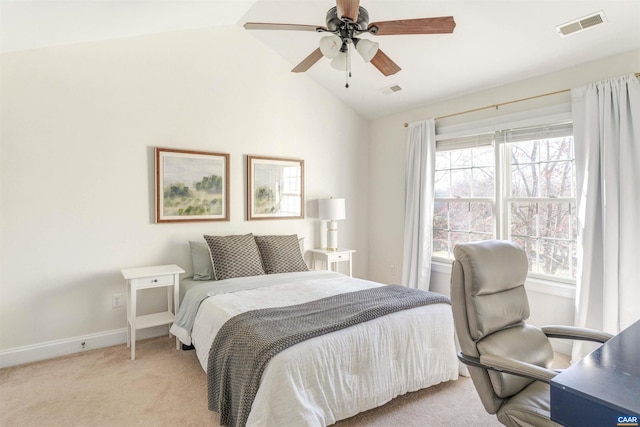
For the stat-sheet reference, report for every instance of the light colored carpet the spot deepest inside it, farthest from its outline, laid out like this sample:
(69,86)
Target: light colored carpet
(167,387)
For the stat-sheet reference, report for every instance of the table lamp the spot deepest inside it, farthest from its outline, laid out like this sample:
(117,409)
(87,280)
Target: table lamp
(332,210)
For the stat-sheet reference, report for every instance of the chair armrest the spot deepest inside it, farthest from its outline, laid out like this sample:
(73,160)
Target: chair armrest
(517,367)
(575,333)
(471,361)
(509,366)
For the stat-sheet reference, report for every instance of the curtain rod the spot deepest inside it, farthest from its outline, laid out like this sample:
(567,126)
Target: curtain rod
(496,106)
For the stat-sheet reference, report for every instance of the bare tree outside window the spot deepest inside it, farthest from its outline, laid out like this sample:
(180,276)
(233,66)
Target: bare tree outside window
(542,204)
(464,198)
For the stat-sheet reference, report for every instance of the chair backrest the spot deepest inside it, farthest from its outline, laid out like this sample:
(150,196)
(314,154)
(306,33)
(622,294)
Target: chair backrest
(490,306)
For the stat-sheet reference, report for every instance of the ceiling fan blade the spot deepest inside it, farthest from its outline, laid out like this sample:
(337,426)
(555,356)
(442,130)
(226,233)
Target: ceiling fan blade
(383,63)
(308,62)
(288,27)
(348,9)
(440,25)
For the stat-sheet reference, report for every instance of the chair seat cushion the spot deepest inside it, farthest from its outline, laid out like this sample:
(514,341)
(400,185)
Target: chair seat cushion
(528,408)
(525,343)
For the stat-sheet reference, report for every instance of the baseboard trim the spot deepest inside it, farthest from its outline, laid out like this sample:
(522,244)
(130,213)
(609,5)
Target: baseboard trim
(57,348)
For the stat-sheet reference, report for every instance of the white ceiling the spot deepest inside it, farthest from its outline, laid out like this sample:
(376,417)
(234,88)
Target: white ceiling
(494,42)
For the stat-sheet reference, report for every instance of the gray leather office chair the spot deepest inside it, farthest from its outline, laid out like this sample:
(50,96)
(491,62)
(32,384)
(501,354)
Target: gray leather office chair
(509,360)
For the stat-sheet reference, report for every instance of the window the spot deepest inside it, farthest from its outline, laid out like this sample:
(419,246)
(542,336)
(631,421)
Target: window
(464,197)
(516,184)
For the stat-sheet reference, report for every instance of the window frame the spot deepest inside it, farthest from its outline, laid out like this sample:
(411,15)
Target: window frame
(502,170)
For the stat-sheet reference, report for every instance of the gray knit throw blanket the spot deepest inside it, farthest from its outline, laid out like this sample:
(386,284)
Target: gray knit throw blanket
(246,342)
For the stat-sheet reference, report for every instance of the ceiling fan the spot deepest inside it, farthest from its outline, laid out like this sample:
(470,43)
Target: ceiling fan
(348,20)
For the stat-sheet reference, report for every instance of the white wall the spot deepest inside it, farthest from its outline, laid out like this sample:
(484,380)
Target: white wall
(78,127)
(79,124)
(386,163)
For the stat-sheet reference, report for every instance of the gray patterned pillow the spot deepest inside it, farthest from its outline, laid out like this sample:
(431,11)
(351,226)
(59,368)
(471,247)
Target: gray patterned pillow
(234,256)
(281,254)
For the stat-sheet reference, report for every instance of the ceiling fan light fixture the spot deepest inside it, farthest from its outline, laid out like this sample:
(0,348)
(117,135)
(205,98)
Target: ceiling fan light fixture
(330,45)
(340,61)
(366,48)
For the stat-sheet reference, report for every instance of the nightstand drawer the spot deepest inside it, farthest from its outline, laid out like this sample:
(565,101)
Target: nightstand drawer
(149,282)
(338,257)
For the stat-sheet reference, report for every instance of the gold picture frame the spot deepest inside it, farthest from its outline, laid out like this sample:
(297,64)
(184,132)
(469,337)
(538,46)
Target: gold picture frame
(275,188)
(191,186)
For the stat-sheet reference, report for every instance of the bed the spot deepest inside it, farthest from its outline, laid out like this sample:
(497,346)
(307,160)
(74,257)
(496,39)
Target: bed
(330,377)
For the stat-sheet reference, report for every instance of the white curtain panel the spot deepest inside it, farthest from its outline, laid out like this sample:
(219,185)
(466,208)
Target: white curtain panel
(606,120)
(418,222)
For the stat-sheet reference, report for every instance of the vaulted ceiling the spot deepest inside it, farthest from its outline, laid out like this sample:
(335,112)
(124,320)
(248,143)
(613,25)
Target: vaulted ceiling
(494,42)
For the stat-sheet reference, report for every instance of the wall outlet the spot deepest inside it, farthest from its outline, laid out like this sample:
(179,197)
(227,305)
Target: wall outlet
(116,300)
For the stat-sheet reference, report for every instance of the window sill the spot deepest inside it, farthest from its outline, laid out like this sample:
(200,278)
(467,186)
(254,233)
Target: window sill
(549,287)
(534,284)
(441,266)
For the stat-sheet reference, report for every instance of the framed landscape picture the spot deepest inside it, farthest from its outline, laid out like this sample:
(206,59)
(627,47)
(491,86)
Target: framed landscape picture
(191,186)
(275,188)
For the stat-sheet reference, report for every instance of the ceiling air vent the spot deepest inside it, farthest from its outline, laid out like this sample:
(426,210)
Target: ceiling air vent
(581,24)
(391,89)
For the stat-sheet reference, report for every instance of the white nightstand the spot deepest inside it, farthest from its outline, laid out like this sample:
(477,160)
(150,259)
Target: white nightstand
(146,278)
(331,258)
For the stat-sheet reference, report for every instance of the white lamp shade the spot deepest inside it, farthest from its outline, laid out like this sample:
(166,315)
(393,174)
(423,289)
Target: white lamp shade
(340,61)
(367,49)
(332,209)
(330,46)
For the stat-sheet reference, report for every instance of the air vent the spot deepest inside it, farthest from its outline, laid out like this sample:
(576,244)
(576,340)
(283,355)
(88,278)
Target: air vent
(391,89)
(581,24)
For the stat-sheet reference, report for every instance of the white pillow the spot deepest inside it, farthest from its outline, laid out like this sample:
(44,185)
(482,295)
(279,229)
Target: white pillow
(201,261)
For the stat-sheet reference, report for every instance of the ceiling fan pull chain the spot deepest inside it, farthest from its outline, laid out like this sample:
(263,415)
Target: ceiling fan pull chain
(346,76)
(348,68)
(349,61)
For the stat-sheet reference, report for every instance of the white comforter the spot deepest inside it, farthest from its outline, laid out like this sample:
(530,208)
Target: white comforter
(335,376)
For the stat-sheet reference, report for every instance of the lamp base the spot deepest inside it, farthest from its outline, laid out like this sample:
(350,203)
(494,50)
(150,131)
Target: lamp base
(332,236)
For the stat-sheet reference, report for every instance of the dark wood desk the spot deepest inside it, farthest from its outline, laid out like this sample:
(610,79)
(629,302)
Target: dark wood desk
(602,387)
